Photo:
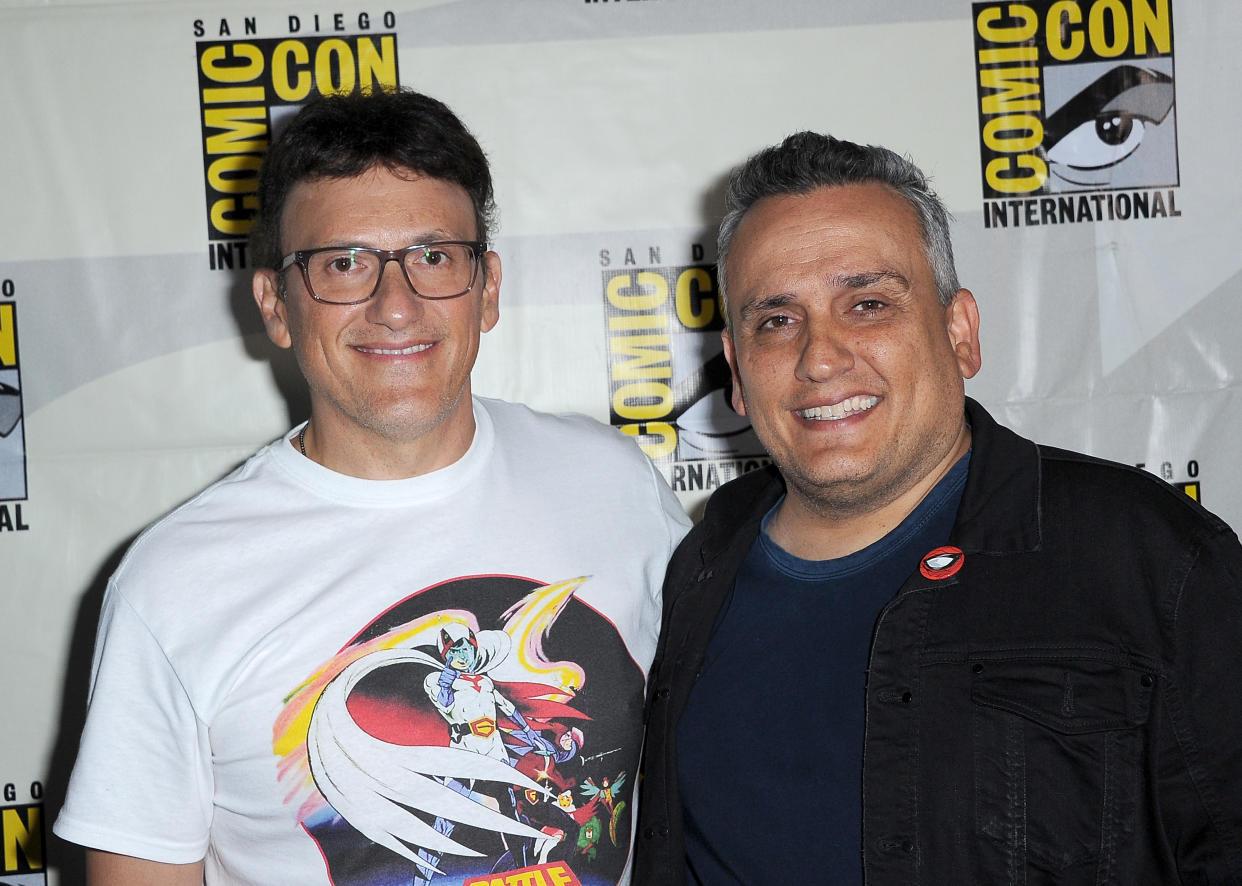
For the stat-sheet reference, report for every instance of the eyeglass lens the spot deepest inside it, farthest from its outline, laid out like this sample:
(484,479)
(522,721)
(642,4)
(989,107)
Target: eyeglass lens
(352,274)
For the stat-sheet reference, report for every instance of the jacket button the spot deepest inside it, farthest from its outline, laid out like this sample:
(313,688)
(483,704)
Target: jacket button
(1147,680)
(662,693)
(907,697)
(663,830)
(649,833)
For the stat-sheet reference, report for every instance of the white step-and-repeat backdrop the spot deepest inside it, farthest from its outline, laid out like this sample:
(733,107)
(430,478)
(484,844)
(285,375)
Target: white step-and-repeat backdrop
(1087,148)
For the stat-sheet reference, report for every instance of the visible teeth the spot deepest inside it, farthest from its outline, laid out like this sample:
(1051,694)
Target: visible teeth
(838,411)
(412,349)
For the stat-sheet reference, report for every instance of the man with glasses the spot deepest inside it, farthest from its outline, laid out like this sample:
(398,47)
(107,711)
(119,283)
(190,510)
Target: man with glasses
(355,658)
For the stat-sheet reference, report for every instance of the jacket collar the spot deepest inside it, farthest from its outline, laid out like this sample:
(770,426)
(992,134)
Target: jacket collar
(749,497)
(1000,509)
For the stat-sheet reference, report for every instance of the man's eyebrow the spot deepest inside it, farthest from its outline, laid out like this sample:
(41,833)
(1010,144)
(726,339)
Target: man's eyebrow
(767,303)
(435,235)
(867,278)
(860,280)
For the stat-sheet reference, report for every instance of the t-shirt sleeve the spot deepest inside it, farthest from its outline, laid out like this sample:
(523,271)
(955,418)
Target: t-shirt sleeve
(141,785)
(675,517)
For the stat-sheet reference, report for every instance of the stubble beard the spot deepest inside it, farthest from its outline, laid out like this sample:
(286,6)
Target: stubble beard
(389,416)
(404,423)
(848,493)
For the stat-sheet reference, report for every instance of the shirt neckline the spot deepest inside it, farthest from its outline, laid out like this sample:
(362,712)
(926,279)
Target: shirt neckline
(948,489)
(345,489)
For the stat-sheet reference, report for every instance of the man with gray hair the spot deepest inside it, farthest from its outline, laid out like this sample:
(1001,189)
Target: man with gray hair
(920,648)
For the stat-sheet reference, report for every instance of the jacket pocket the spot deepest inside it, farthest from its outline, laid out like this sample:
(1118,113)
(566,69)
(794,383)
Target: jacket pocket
(1057,739)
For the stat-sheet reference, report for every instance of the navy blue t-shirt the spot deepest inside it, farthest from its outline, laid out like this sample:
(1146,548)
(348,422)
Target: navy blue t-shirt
(770,745)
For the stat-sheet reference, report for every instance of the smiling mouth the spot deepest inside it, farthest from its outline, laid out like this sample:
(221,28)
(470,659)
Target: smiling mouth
(393,352)
(838,411)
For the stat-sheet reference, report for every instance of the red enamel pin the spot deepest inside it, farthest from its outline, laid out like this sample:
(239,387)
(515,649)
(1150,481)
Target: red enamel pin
(942,563)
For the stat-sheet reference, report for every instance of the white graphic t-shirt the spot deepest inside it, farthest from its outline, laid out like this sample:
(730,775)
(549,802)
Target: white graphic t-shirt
(309,678)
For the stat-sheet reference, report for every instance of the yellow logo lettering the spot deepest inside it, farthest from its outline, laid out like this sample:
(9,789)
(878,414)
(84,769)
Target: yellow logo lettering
(378,67)
(641,401)
(1000,174)
(8,335)
(1109,15)
(1154,24)
(662,437)
(1028,23)
(335,55)
(214,58)
(692,282)
(1012,87)
(645,353)
(1064,23)
(24,836)
(239,136)
(1013,133)
(655,295)
(291,57)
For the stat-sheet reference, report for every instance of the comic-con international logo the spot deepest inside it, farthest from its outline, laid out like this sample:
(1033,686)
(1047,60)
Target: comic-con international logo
(669,383)
(12,432)
(247,86)
(1077,111)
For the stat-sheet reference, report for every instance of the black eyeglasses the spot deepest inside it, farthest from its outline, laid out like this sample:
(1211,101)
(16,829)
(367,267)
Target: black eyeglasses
(349,275)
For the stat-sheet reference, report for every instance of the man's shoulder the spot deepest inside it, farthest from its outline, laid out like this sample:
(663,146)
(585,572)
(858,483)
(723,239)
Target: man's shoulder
(568,433)
(1120,492)
(595,478)
(744,499)
(1076,493)
(754,490)
(194,525)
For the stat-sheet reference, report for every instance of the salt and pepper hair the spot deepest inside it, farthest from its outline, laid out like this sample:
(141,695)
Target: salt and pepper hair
(807,161)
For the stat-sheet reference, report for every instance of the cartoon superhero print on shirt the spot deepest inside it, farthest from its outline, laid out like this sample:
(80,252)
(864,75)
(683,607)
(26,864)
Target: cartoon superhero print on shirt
(436,747)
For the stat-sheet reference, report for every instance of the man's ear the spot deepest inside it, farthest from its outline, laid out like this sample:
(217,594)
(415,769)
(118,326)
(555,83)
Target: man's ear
(739,397)
(272,306)
(962,315)
(491,291)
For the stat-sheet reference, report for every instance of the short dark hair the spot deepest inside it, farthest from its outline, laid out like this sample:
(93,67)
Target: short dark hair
(806,161)
(341,136)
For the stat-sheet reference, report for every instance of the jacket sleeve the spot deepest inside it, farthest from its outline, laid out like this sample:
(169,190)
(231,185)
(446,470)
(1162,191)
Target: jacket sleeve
(1201,796)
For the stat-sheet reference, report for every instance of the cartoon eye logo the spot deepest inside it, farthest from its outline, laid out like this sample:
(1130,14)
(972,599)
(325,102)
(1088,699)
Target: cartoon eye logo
(1098,143)
(942,563)
(1105,122)
(10,408)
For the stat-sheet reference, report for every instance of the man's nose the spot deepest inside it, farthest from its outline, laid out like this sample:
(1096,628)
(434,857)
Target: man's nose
(395,303)
(826,351)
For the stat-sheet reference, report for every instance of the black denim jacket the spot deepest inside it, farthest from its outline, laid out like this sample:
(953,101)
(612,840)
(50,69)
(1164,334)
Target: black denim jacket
(1066,708)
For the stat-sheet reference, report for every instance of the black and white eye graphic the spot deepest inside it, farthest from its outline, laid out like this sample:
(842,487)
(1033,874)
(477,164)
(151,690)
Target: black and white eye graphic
(10,408)
(708,426)
(1105,123)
